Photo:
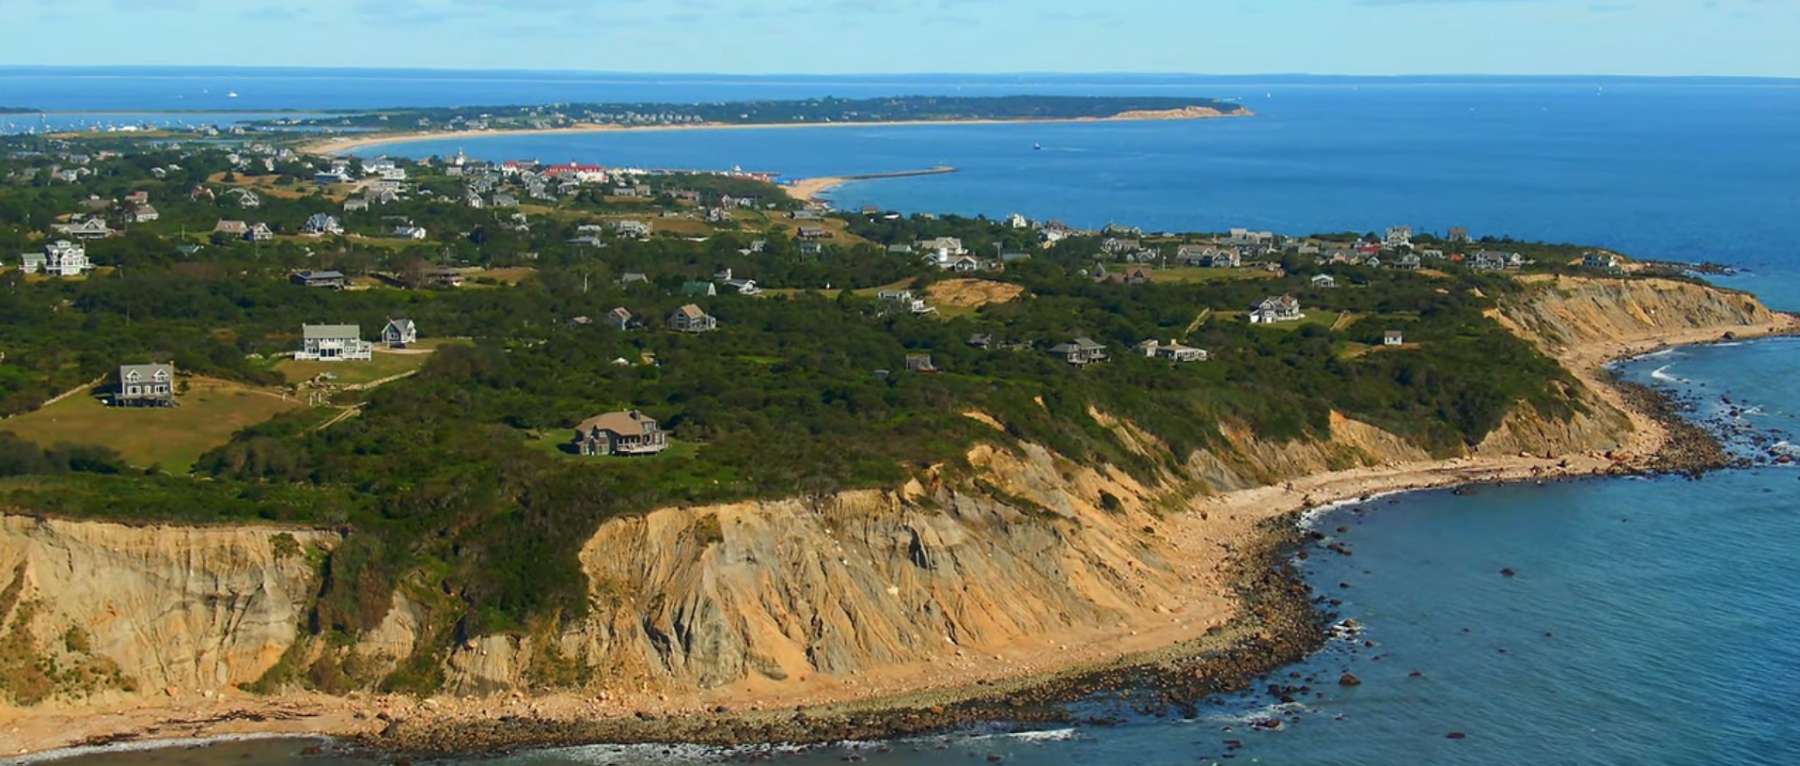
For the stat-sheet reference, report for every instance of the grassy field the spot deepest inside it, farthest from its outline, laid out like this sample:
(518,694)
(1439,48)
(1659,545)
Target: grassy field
(1196,274)
(386,364)
(174,437)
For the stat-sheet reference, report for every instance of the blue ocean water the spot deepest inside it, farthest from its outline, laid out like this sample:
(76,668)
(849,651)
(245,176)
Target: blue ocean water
(1646,621)
(1658,170)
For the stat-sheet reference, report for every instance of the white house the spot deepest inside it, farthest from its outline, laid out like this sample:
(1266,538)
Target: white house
(61,258)
(322,224)
(1172,351)
(1285,308)
(333,343)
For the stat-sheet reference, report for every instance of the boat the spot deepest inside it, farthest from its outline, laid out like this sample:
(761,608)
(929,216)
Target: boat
(1037,147)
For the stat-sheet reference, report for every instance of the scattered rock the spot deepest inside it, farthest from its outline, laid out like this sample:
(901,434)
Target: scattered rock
(1349,679)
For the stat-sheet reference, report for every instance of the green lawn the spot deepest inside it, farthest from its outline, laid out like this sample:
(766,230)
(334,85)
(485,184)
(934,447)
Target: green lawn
(172,437)
(386,364)
(1197,274)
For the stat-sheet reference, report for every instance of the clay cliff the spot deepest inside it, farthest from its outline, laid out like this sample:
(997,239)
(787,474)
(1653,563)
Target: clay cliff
(1019,548)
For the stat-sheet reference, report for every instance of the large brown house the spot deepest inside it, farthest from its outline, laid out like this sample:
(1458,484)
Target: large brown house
(620,433)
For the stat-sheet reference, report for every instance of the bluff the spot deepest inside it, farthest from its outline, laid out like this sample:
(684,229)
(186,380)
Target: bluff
(1018,550)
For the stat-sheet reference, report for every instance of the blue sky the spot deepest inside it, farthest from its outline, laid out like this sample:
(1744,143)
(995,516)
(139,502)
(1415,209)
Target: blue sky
(1655,37)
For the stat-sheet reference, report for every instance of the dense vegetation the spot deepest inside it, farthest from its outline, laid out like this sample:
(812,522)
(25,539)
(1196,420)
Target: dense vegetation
(458,475)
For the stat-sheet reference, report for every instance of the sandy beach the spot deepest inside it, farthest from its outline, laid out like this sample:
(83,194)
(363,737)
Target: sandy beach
(351,144)
(1210,617)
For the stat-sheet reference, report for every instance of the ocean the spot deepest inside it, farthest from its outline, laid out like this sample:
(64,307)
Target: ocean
(1644,623)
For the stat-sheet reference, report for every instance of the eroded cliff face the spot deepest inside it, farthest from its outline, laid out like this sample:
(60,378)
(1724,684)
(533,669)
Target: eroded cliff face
(848,582)
(1026,544)
(94,608)
(1565,313)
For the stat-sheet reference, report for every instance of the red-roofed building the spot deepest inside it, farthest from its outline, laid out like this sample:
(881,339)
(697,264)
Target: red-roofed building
(587,174)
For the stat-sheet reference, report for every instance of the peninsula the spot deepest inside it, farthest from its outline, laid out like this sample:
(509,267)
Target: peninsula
(398,125)
(452,456)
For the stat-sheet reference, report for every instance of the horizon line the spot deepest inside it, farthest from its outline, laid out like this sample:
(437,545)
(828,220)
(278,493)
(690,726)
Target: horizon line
(840,75)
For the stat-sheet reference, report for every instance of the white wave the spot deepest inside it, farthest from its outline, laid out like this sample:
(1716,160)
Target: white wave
(1278,710)
(1728,344)
(1041,735)
(142,745)
(1662,374)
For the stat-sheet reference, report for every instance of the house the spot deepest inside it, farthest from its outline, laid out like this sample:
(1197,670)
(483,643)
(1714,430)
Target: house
(1398,236)
(1136,275)
(231,228)
(1017,221)
(1080,352)
(620,433)
(61,258)
(244,198)
(1118,246)
(356,205)
(1172,351)
(146,385)
(630,278)
(620,317)
(399,333)
(1494,260)
(321,224)
(1406,262)
(328,279)
(1393,338)
(333,343)
(1324,281)
(202,193)
(144,214)
(743,286)
(332,176)
(690,318)
(1601,260)
(91,228)
(814,232)
(1283,308)
(443,277)
(920,363)
(1459,234)
(410,232)
(943,245)
(699,289)
(637,229)
(259,233)
(810,247)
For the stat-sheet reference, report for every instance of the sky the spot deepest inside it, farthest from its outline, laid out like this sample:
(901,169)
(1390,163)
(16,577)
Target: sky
(1379,37)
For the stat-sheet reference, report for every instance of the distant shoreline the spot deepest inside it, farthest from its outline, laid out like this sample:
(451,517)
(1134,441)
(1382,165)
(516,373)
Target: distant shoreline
(342,145)
(810,189)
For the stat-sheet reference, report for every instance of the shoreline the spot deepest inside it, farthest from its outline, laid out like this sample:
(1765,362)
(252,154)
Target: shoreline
(347,145)
(1275,623)
(812,189)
